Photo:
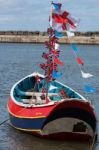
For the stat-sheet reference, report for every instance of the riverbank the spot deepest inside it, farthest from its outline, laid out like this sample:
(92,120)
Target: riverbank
(38,37)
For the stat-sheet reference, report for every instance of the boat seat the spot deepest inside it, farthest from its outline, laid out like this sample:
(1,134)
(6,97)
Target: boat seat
(36,100)
(28,101)
(29,93)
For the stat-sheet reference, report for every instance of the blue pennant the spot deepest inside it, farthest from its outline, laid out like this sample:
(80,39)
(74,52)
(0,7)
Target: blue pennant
(56,6)
(56,75)
(58,34)
(74,47)
(89,89)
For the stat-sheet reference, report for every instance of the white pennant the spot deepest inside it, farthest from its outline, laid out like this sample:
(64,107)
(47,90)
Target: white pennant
(70,34)
(52,87)
(86,75)
(56,46)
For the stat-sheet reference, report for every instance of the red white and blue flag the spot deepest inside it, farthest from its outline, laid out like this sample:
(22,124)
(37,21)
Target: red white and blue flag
(62,20)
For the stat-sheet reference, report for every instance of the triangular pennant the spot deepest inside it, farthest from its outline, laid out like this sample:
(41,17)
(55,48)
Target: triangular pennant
(86,75)
(79,61)
(57,61)
(58,34)
(89,89)
(70,34)
(74,47)
(56,6)
(56,74)
(56,46)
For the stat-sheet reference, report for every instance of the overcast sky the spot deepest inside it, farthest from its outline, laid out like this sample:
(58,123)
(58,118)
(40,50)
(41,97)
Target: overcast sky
(33,14)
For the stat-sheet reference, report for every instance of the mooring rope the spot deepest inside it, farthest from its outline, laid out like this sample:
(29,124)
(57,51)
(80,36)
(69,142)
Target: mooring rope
(4,122)
(9,118)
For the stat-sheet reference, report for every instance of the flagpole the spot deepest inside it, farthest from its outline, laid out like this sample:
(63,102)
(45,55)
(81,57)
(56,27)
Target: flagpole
(49,60)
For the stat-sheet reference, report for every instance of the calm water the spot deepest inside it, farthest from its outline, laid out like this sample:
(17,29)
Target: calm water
(19,60)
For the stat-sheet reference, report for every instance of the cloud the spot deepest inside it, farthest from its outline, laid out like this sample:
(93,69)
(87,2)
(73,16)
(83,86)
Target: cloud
(34,14)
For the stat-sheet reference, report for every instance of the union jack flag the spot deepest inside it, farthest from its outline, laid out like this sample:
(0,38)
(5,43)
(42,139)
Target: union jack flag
(50,31)
(55,53)
(48,44)
(43,66)
(45,55)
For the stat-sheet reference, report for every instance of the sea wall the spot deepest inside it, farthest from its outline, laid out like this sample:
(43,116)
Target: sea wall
(31,37)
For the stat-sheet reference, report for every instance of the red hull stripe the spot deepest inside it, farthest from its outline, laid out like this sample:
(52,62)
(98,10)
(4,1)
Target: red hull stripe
(41,112)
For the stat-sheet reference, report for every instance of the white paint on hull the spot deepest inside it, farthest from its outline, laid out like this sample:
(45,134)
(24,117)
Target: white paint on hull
(65,125)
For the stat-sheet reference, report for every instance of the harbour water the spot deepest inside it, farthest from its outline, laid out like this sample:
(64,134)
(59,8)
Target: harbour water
(19,60)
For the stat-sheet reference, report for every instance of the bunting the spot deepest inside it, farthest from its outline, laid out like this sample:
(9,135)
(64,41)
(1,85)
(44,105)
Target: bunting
(58,34)
(56,6)
(89,89)
(57,61)
(79,61)
(70,34)
(74,47)
(61,21)
(56,46)
(86,75)
(56,74)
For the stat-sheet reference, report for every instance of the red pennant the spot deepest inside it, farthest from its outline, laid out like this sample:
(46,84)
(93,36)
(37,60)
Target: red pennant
(57,61)
(79,61)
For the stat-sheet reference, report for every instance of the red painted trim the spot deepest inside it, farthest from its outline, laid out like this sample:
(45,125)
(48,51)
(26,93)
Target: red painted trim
(20,111)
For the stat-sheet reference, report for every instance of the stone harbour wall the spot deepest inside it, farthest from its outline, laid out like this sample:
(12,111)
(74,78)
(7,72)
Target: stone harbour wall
(41,38)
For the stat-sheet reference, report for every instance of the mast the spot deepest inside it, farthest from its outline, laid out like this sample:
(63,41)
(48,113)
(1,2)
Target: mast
(52,56)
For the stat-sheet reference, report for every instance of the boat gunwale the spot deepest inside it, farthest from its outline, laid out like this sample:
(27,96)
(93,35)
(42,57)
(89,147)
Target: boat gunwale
(43,105)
